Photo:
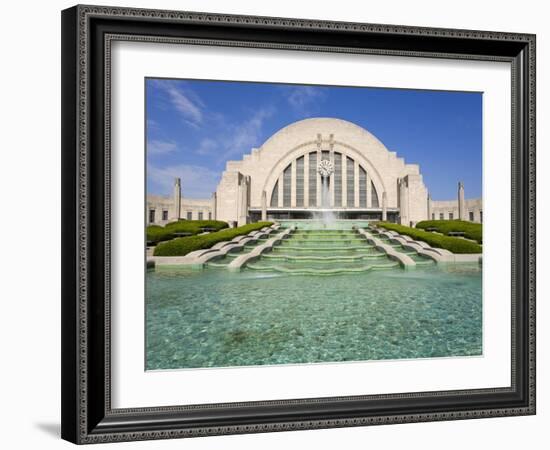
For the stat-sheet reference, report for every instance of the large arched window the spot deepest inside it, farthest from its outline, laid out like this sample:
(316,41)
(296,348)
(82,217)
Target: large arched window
(299,186)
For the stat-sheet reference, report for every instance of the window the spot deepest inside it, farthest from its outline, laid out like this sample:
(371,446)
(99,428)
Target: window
(451,215)
(275,195)
(471,214)
(313,179)
(433,216)
(189,215)
(151,216)
(362,188)
(481,216)
(300,181)
(441,216)
(287,180)
(374,196)
(200,215)
(209,216)
(350,169)
(337,179)
(164,215)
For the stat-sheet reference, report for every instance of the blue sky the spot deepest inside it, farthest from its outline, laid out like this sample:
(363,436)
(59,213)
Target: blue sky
(195,126)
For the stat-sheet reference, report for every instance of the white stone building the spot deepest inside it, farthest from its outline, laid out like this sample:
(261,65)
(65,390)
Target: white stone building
(161,210)
(310,167)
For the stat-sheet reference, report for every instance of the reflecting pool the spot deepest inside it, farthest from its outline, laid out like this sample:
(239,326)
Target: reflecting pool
(217,318)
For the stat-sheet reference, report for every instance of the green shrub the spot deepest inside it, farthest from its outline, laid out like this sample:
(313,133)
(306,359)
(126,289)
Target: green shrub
(455,245)
(471,230)
(194,226)
(156,233)
(184,245)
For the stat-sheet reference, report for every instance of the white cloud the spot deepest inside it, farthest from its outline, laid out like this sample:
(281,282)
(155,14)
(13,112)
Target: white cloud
(234,139)
(152,125)
(196,181)
(221,139)
(207,146)
(187,103)
(243,136)
(224,139)
(158,147)
(303,98)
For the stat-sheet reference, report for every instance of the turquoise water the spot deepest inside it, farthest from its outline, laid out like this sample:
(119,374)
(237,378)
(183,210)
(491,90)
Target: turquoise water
(333,225)
(217,318)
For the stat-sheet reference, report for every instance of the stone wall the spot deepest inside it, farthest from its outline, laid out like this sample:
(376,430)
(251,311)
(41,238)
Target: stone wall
(416,197)
(189,208)
(448,209)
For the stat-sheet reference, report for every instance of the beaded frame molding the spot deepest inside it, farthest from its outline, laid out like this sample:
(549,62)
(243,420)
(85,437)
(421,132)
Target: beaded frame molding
(87,34)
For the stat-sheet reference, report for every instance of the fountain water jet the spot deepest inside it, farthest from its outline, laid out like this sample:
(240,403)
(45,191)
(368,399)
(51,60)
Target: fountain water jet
(325,169)
(328,217)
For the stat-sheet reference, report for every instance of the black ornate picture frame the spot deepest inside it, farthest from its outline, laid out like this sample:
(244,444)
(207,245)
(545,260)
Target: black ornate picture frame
(87,35)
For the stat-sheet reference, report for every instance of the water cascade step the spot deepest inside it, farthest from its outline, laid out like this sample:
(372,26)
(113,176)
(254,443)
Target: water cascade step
(323,252)
(230,256)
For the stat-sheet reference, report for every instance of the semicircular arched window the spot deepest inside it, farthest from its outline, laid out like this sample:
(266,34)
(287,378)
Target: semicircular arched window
(351,185)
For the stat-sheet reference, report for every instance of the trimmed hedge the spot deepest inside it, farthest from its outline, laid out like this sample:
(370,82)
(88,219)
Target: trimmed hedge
(454,245)
(471,230)
(194,226)
(184,245)
(156,233)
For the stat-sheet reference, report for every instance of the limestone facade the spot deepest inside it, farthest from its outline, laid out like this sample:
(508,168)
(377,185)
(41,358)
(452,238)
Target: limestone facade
(359,178)
(162,210)
(449,210)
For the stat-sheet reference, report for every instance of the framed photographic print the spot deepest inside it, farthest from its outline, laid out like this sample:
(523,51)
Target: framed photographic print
(278,224)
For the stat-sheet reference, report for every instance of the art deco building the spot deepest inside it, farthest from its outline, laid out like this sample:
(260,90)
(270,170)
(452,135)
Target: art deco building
(311,167)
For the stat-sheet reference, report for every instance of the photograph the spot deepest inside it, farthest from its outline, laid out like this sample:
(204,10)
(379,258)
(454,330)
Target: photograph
(285,222)
(310,224)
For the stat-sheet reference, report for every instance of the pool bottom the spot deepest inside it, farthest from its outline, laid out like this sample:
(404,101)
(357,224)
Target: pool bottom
(219,319)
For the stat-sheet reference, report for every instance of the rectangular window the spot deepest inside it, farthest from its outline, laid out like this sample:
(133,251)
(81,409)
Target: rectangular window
(164,215)
(481,216)
(287,180)
(451,215)
(374,196)
(313,179)
(189,215)
(151,216)
(441,217)
(433,216)
(350,168)
(337,179)
(200,215)
(300,181)
(471,214)
(362,188)
(209,216)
